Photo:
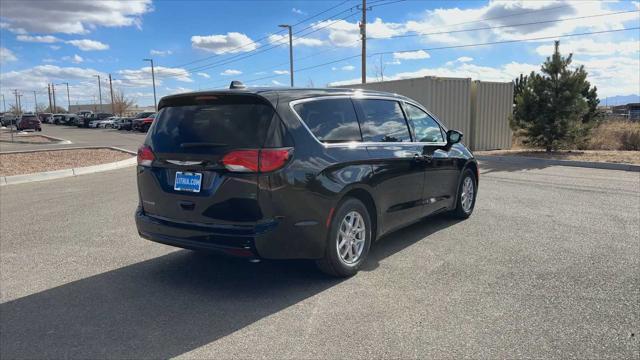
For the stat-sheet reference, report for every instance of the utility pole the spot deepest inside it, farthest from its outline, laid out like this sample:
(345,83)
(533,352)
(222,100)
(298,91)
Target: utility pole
(20,104)
(290,51)
(363,33)
(68,98)
(113,109)
(53,91)
(35,103)
(4,105)
(100,92)
(49,91)
(153,78)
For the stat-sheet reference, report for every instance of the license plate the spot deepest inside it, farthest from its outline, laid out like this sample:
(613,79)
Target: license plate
(187,181)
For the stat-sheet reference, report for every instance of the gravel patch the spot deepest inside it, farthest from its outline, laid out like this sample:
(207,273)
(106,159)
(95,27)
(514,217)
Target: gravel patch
(35,162)
(621,157)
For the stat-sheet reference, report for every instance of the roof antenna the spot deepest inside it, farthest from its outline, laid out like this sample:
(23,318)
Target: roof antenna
(235,84)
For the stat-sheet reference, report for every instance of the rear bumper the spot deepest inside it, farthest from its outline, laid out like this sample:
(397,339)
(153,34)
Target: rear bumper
(232,240)
(271,239)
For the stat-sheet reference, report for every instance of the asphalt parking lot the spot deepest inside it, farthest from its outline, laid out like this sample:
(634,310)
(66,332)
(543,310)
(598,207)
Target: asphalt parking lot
(548,266)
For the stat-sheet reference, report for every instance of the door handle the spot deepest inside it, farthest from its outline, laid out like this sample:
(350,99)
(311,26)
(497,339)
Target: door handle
(422,158)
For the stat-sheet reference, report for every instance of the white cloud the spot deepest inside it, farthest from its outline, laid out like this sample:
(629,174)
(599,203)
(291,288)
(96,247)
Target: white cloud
(153,52)
(142,77)
(76,59)
(88,45)
(589,47)
(47,39)
(7,55)
(230,72)
(39,76)
(49,60)
(411,55)
(280,72)
(233,42)
(344,68)
(204,75)
(502,13)
(298,11)
(54,47)
(613,75)
(297,41)
(178,90)
(277,83)
(71,17)
(464,59)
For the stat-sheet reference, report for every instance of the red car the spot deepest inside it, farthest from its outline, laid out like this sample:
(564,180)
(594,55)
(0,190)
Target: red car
(29,122)
(143,124)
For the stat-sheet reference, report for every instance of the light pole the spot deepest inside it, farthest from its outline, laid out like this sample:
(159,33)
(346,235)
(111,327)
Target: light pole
(290,50)
(153,78)
(68,97)
(35,103)
(99,92)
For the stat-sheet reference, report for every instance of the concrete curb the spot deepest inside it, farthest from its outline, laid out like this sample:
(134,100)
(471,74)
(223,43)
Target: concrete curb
(574,163)
(59,141)
(58,174)
(69,148)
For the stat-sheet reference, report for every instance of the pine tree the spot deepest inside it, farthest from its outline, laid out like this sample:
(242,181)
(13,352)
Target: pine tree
(557,106)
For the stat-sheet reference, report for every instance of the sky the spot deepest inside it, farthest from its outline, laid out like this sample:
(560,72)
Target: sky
(198,45)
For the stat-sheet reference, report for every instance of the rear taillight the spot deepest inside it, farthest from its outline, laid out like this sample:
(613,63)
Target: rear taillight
(254,160)
(145,156)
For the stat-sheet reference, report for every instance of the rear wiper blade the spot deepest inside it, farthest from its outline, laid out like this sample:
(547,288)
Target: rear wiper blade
(201,144)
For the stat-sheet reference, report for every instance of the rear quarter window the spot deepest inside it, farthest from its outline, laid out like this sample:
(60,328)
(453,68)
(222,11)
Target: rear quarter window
(330,120)
(382,121)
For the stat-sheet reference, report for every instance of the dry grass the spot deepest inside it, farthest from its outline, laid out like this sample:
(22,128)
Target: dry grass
(623,157)
(615,135)
(34,162)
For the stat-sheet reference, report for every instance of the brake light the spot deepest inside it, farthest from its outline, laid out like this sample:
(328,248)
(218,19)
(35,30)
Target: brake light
(254,160)
(145,156)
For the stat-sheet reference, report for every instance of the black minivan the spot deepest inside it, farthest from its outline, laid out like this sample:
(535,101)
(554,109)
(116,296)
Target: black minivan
(297,173)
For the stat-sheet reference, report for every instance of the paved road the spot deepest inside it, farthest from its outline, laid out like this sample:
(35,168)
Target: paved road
(128,140)
(548,266)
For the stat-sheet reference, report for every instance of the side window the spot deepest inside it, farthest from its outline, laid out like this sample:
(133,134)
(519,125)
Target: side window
(330,120)
(424,126)
(382,121)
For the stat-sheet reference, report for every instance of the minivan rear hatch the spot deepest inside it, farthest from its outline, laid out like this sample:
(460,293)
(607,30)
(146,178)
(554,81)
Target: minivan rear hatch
(189,177)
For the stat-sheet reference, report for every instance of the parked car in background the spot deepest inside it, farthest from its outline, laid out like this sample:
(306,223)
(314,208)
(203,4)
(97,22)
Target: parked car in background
(143,124)
(46,117)
(8,119)
(29,122)
(57,119)
(70,119)
(124,124)
(84,113)
(108,123)
(94,118)
(297,174)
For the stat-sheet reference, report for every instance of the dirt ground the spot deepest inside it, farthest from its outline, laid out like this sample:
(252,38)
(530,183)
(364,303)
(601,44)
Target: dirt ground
(34,162)
(615,156)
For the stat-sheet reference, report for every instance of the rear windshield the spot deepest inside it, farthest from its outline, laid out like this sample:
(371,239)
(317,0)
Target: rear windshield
(205,128)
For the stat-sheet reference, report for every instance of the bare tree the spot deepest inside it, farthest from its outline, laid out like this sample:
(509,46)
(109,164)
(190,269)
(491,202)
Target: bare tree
(378,70)
(310,83)
(121,103)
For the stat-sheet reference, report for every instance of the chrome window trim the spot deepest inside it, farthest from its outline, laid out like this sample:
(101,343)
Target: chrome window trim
(402,101)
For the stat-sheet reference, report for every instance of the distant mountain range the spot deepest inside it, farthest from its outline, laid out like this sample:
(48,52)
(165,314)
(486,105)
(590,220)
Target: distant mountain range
(619,100)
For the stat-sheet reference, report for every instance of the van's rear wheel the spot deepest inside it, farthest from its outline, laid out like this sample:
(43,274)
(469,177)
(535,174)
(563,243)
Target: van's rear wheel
(349,240)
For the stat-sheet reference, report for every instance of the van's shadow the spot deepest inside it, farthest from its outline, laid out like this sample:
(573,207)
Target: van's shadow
(169,305)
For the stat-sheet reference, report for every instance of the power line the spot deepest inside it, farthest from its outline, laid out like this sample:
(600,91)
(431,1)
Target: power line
(377,4)
(505,26)
(256,42)
(487,28)
(454,47)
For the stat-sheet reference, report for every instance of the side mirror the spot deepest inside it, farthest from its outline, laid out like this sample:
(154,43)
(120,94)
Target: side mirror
(453,137)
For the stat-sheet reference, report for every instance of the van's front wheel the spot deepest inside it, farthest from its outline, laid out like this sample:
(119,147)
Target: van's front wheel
(349,240)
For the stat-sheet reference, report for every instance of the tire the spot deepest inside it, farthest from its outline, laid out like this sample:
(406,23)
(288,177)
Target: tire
(333,263)
(464,210)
